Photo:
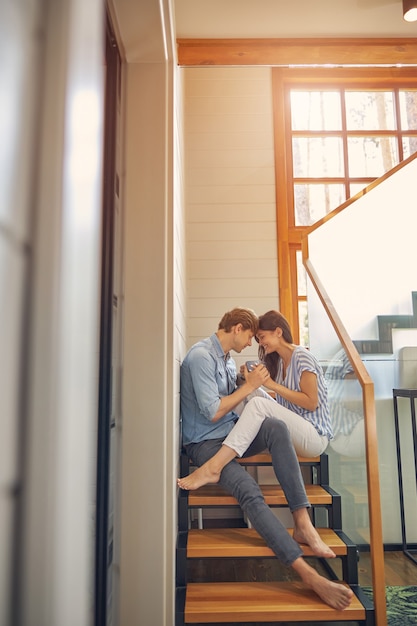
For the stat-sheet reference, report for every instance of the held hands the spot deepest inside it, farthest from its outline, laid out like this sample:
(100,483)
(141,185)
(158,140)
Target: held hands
(257,377)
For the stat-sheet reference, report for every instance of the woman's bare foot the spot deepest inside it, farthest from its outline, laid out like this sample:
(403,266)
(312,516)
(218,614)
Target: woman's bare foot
(332,593)
(335,594)
(304,532)
(203,475)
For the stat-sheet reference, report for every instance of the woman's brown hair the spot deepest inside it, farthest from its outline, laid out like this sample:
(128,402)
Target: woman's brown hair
(271,321)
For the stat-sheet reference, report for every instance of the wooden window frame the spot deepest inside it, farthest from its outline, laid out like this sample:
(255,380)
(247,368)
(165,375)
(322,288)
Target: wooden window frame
(289,236)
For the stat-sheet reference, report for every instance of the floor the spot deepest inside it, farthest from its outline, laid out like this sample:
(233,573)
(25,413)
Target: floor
(399,569)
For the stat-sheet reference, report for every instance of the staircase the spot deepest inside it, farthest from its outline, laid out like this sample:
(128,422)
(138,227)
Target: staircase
(386,323)
(284,600)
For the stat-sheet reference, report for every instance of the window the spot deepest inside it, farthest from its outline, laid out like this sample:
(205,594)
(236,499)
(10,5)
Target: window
(342,129)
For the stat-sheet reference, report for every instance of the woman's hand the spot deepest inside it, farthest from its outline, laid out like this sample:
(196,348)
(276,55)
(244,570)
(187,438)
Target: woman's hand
(270,384)
(306,398)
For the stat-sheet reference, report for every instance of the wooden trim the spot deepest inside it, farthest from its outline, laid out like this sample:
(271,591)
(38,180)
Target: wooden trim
(295,324)
(281,198)
(284,52)
(371,439)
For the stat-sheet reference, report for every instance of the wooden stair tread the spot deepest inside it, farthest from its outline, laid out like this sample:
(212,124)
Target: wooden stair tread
(265,459)
(246,542)
(261,602)
(213,495)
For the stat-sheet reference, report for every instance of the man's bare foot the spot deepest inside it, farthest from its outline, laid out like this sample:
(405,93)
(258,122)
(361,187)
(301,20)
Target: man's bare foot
(335,594)
(313,539)
(203,475)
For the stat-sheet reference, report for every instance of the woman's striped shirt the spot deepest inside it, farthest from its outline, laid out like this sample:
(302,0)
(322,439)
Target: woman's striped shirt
(303,360)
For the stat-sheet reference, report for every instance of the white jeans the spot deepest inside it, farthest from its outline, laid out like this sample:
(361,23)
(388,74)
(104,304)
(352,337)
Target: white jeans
(259,405)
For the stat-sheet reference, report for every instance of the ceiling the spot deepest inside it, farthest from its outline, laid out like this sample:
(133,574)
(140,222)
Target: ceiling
(139,21)
(296,18)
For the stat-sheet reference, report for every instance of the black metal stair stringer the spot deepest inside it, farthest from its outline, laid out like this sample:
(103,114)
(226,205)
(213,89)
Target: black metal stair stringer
(349,561)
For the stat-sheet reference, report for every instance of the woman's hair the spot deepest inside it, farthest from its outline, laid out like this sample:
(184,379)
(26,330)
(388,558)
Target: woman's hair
(246,317)
(271,321)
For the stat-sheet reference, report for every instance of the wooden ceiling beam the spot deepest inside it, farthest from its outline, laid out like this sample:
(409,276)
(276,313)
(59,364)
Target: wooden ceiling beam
(284,52)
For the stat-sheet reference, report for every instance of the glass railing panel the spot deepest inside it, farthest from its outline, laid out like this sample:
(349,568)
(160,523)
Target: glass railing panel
(347,458)
(365,260)
(346,451)
(347,464)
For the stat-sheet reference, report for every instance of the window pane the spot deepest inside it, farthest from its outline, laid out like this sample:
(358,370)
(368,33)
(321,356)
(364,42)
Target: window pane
(371,156)
(319,157)
(356,187)
(303,323)
(301,275)
(409,146)
(313,201)
(370,110)
(408,108)
(316,110)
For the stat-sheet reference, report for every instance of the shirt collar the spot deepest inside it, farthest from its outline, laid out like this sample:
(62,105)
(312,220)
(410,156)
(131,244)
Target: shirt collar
(218,348)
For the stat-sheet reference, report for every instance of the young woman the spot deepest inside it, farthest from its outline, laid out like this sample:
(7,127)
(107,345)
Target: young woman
(297,381)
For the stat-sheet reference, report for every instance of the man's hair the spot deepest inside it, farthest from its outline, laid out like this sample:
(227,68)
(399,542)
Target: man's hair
(246,317)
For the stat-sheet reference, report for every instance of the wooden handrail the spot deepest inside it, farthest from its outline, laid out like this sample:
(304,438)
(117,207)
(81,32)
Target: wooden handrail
(372,467)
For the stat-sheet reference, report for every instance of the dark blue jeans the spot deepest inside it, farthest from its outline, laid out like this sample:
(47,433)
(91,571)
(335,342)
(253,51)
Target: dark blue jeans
(273,436)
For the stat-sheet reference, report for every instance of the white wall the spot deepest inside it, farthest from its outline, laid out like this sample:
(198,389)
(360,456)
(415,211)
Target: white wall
(230,195)
(51,170)
(153,319)
(153,311)
(322,18)
(19,53)
(56,180)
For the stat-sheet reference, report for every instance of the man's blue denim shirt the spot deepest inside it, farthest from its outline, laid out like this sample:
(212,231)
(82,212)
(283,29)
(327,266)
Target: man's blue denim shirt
(207,375)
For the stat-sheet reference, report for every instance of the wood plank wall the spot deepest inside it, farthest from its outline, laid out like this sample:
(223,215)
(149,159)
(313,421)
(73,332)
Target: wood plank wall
(229,195)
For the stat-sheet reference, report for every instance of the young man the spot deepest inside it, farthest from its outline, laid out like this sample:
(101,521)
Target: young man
(210,399)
